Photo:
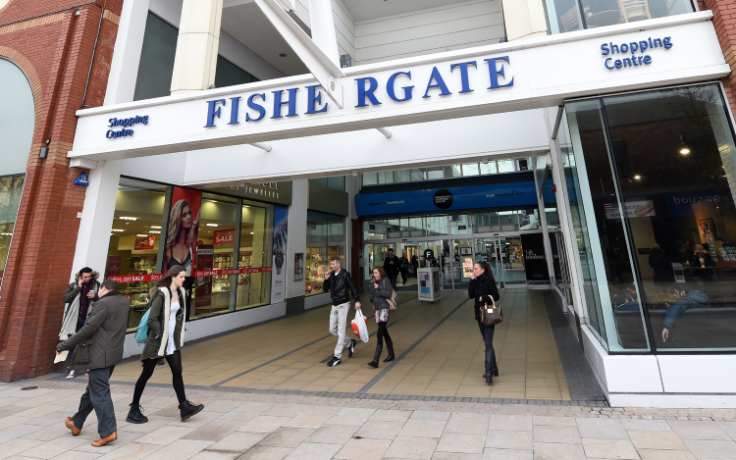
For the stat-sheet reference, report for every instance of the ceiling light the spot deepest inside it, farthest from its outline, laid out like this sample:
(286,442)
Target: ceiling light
(212,225)
(129,218)
(251,233)
(156,226)
(143,235)
(213,201)
(117,230)
(637,177)
(153,231)
(684,151)
(282,55)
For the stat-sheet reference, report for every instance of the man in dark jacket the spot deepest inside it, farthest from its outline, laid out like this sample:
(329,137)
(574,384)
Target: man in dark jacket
(80,297)
(340,286)
(100,347)
(391,266)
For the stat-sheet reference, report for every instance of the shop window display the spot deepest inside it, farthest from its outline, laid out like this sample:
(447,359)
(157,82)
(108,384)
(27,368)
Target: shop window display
(256,233)
(325,240)
(135,241)
(11,189)
(660,184)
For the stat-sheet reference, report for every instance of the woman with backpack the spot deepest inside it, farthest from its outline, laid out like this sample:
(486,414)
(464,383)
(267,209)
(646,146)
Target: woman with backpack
(381,292)
(482,289)
(166,319)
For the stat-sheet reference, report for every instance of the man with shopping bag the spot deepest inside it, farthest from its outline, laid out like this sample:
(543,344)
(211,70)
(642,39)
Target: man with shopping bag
(340,285)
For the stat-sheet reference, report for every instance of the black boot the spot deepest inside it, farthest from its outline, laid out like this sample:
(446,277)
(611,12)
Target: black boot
(494,364)
(135,415)
(187,410)
(376,357)
(390,346)
(489,370)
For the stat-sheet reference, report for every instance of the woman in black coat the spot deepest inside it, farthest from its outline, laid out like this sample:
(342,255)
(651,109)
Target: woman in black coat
(481,289)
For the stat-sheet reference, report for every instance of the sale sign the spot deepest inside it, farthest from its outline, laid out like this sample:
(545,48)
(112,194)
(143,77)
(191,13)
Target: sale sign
(136,278)
(225,236)
(145,242)
(203,291)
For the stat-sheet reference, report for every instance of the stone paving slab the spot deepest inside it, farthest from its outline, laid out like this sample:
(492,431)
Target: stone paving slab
(244,425)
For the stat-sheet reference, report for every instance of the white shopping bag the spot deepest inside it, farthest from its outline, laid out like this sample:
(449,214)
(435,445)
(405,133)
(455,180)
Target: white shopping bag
(360,326)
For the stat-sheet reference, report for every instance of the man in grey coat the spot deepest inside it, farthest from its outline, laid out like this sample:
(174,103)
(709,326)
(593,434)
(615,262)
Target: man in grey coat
(100,347)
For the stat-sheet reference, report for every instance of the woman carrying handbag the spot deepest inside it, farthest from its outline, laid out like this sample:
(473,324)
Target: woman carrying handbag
(382,295)
(166,322)
(483,291)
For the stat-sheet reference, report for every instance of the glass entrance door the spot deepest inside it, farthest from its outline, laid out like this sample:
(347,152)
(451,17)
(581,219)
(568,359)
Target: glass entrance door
(512,258)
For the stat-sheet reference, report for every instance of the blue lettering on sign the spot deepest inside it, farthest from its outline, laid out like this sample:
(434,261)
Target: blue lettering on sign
(124,123)
(633,61)
(285,100)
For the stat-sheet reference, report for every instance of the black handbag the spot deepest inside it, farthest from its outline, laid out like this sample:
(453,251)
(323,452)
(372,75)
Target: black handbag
(491,315)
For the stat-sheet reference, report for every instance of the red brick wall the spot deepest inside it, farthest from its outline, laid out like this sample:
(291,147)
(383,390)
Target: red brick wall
(724,21)
(54,49)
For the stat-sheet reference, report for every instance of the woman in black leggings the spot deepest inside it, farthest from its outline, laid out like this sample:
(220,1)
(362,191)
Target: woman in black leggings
(166,320)
(381,290)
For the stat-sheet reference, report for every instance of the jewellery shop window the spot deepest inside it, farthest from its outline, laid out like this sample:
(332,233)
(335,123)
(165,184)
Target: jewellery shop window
(11,189)
(325,240)
(134,241)
(661,181)
(256,234)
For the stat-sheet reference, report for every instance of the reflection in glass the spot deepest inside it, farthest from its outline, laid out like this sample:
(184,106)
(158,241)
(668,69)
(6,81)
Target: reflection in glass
(11,189)
(325,240)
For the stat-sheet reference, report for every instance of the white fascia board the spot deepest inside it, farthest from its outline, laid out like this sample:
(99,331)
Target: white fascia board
(546,71)
(426,144)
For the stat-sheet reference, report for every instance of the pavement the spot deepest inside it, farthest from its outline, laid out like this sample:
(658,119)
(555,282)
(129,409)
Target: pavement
(251,425)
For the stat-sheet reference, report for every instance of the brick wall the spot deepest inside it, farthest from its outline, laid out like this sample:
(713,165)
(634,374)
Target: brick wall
(53,46)
(724,21)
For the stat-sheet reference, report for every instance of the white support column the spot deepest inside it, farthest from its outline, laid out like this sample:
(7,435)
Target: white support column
(297,233)
(93,239)
(127,54)
(322,25)
(197,46)
(524,18)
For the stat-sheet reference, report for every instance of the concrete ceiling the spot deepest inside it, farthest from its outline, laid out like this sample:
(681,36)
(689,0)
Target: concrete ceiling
(247,24)
(364,10)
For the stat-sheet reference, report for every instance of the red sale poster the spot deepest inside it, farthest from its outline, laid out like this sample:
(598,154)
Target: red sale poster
(226,236)
(145,242)
(203,290)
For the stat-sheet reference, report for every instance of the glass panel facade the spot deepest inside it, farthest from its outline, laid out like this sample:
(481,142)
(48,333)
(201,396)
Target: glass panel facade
(661,179)
(232,234)
(135,240)
(11,190)
(338,182)
(569,15)
(157,62)
(256,232)
(325,240)
(446,172)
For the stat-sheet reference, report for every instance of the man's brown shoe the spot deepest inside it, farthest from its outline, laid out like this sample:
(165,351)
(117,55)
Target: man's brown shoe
(105,440)
(70,424)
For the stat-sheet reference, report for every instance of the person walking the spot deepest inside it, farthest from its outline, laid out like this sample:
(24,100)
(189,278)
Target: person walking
(340,285)
(391,266)
(79,298)
(165,338)
(404,268)
(100,347)
(481,289)
(381,290)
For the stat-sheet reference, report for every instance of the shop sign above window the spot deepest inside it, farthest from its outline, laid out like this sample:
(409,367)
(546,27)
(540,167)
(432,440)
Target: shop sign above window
(126,124)
(634,47)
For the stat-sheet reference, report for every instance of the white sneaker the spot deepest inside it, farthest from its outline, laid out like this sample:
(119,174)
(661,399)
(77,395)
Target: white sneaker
(71,374)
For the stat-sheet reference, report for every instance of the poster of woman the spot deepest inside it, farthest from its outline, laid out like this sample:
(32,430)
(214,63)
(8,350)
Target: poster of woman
(181,238)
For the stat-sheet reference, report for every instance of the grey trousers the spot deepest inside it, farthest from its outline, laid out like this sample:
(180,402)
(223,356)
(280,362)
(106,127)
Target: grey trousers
(98,397)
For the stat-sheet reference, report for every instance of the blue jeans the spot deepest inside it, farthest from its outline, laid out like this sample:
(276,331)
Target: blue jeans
(80,323)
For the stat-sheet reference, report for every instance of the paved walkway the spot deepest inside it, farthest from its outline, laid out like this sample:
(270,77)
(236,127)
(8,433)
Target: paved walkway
(241,425)
(439,352)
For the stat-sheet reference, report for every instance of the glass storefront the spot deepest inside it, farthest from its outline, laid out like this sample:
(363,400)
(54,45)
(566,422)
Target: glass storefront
(569,15)
(446,172)
(651,181)
(229,236)
(11,190)
(325,240)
